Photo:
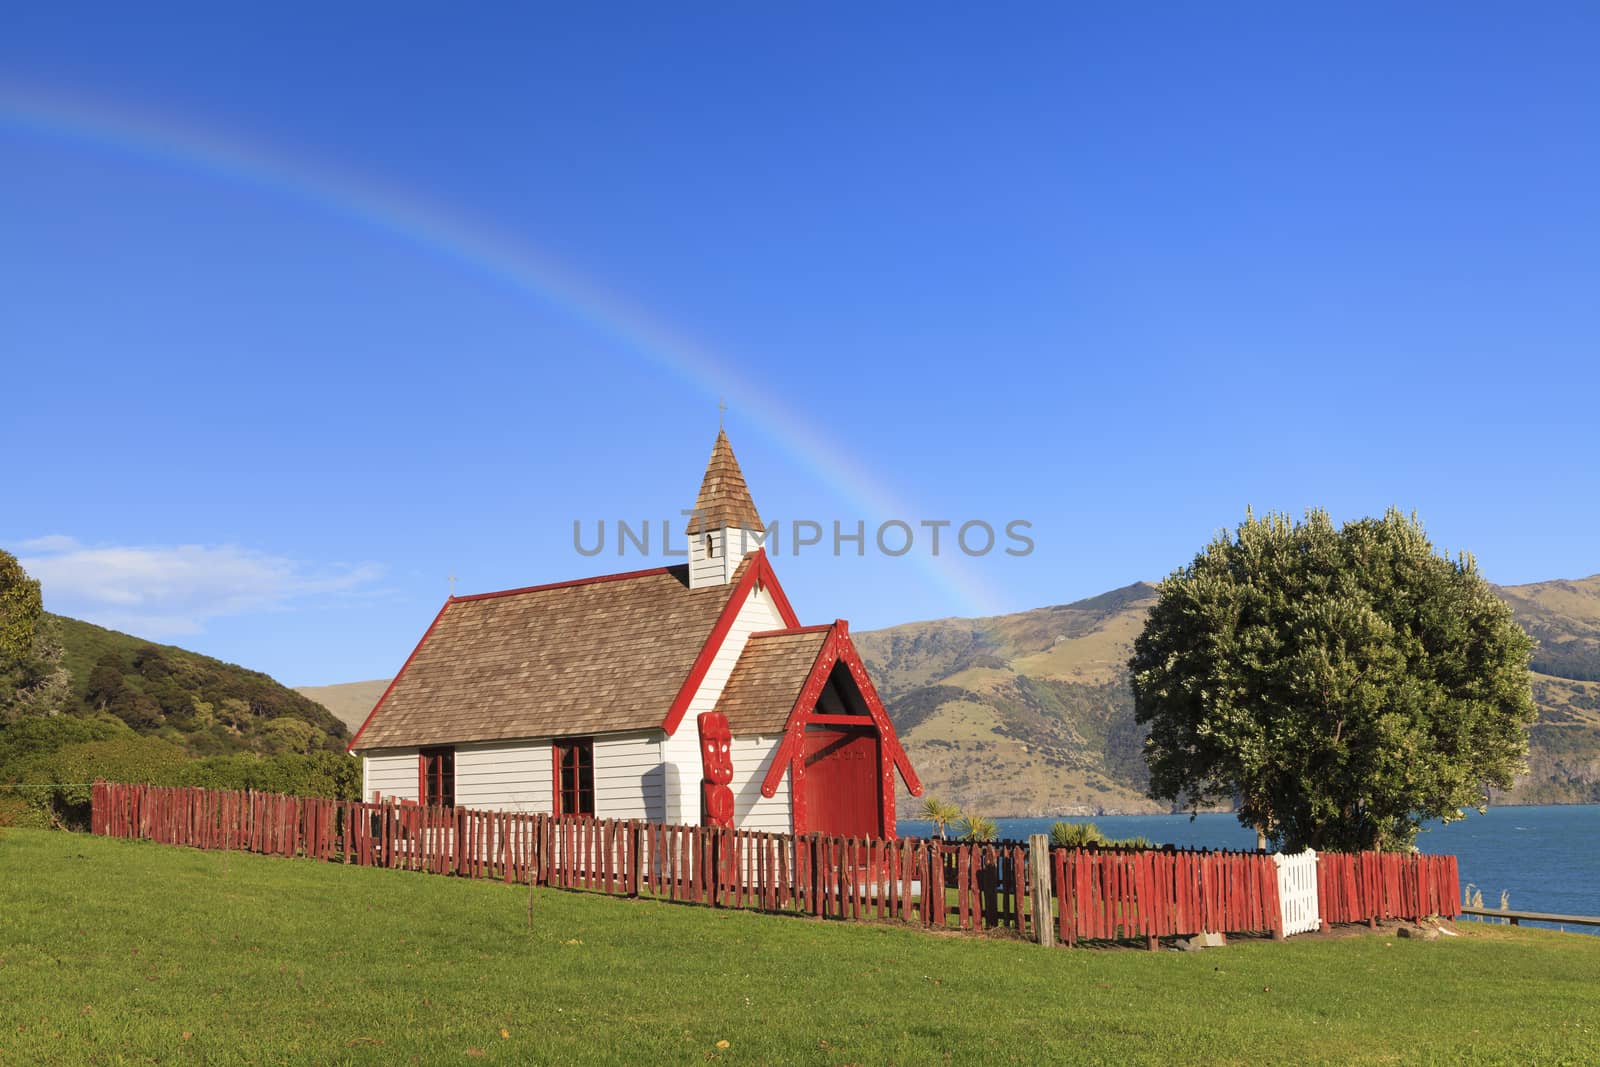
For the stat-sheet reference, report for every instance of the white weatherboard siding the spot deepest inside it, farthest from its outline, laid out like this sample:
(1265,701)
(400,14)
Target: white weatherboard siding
(519,776)
(751,758)
(629,778)
(715,555)
(752,811)
(680,753)
(680,769)
(391,773)
(708,563)
(504,776)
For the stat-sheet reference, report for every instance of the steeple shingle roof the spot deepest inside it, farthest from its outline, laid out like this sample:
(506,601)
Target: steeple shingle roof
(724,498)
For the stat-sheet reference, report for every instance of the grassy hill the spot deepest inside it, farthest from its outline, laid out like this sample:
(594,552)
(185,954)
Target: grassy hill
(1025,714)
(350,702)
(207,706)
(139,711)
(1030,714)
(127,952)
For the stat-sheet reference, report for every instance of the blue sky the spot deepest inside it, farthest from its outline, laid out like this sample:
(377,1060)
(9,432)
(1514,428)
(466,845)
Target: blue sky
(307,308)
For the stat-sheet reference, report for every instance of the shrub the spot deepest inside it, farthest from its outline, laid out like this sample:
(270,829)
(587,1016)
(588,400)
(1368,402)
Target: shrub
(61,794)
(978,828)
(320,774)
(1065,834)
(941,813)
(55,762)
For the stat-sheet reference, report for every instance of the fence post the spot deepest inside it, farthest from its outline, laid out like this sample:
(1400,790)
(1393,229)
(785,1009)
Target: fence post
(636,856)
(1039,889)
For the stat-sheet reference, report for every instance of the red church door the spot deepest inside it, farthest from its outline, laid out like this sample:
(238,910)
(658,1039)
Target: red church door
(841,782)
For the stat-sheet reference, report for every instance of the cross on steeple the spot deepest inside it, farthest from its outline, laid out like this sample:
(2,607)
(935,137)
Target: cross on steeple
(722,409)
(453,580)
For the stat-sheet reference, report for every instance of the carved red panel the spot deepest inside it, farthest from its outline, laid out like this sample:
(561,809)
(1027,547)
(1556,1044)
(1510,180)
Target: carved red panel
(716,758)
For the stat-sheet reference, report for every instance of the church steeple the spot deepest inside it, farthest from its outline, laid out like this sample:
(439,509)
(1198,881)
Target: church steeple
(725,525)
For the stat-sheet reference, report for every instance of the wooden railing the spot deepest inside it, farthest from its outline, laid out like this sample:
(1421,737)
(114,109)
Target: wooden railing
(1095,895)
(1517,918)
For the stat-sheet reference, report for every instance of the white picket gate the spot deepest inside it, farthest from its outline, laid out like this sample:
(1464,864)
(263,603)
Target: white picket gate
(1297,892)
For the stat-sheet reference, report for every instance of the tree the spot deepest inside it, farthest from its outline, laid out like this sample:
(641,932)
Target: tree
(939,812)
(105,681)
(32,680)
(1340,685)
(136,709)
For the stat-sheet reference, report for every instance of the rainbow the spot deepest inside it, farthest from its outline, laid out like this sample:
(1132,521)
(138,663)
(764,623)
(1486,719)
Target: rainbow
(433,228)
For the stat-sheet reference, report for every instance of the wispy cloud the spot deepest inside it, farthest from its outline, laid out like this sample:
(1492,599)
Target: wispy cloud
(49,543)
(164,591)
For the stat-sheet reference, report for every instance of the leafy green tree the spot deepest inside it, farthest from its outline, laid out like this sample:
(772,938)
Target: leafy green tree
(289,734)
(1340,685)
(939,812)
(105,682)
(32,680)
(136,709)
(21,608)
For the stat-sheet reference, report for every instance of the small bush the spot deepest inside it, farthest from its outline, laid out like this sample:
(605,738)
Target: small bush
(978,828)
(1065,834)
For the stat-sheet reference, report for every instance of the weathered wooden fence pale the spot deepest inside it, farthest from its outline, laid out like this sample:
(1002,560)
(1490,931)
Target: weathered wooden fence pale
(1369,886)
(1096,895)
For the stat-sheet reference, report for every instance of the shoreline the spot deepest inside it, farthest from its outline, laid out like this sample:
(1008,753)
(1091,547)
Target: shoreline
(1148,813)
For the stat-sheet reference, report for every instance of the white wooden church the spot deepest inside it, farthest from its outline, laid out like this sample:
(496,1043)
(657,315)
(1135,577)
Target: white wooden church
(580,697)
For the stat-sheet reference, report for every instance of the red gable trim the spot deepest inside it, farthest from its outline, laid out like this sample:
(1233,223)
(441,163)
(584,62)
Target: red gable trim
(351,747)
(787,630)
(839,648)
(563,585)
(758,575)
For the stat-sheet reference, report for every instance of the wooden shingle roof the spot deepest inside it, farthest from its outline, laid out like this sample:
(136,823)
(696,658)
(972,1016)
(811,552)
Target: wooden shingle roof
(596,656)
(724,498)
(767,680)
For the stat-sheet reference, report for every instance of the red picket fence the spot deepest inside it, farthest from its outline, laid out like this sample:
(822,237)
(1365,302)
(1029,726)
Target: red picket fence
(1152,894)
(1099,895)
(1368,886)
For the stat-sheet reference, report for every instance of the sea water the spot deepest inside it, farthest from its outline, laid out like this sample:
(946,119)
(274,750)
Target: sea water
(1547,858)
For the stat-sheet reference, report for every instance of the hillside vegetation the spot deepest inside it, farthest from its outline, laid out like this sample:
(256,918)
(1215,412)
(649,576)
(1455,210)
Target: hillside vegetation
(222,958)
(139,711)
(1030,714)
(205,705)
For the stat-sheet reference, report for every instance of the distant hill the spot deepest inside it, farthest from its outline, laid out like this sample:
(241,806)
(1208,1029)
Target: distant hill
(1030,714)
(350,702)
(1026,714)
(1564,745)
(205,705)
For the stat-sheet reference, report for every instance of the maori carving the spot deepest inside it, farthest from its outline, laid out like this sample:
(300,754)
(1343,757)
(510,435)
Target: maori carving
(716,757)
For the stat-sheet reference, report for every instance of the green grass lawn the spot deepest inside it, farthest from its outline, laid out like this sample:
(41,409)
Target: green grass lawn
(127,952)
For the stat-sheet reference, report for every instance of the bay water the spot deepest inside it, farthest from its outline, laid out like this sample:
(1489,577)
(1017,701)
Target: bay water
(1547,858)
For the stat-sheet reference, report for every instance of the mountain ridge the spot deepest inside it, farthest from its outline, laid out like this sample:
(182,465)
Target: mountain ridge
(1029,714)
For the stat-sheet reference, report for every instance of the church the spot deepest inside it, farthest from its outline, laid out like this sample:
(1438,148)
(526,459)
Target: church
(582,697)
